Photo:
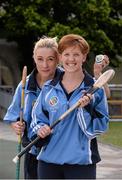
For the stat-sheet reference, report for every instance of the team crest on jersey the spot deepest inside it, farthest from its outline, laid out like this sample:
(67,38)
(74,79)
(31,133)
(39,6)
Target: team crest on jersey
(53,101)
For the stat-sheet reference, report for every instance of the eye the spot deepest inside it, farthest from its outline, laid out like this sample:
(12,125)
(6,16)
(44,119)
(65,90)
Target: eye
(51,58)
(66,54)
(76,55)
(39,59)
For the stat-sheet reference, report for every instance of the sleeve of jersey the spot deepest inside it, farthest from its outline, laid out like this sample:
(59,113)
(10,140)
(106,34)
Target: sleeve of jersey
(13,111)
(39,118)
(94,123)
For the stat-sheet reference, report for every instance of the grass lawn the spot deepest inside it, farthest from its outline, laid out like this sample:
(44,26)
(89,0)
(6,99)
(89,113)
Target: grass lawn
(114,135)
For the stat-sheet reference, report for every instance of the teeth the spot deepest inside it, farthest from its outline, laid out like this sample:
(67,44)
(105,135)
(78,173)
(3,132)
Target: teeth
(71,65)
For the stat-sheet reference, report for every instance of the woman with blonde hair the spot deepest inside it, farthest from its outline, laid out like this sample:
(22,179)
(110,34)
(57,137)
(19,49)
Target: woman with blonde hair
(45,56)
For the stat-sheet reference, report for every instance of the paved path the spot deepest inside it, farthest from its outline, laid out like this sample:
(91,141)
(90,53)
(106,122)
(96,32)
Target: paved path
(111,165)
(6,132)
(109,168)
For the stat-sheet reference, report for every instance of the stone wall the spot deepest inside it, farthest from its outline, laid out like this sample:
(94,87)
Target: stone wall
(9,67)
(10,74)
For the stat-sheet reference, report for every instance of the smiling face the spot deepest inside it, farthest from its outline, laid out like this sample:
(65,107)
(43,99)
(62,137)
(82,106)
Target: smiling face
(46,61)
(72,59)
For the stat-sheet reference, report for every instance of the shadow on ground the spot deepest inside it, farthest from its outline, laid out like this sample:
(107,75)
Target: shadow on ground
(8,150)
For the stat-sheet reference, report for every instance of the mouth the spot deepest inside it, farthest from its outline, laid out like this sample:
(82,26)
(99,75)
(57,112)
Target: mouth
(45,70)
(71,64)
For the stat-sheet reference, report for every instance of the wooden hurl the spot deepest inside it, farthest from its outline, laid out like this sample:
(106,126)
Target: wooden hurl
(24,75)
(101,81)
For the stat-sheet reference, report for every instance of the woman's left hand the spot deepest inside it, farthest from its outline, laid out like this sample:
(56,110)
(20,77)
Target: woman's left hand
(99,67)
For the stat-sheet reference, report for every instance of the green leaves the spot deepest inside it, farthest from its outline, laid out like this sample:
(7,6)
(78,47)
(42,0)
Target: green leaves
(99,22)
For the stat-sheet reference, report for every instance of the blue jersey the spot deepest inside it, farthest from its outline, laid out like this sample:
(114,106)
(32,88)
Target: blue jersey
(73,140)
(32,91)
(30,95)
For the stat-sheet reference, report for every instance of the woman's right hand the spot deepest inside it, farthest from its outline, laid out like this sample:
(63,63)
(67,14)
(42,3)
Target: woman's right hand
(18,127)
(84,100)
(44,131)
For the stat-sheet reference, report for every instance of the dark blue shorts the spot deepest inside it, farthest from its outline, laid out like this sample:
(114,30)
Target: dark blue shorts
(66,171)
(30,166)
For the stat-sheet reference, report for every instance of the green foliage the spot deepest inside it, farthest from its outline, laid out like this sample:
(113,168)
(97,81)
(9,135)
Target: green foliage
(59,30)
(99,22)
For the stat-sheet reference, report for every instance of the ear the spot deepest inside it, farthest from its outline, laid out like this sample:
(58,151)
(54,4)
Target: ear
(60,58)
(84,57)
(34,59)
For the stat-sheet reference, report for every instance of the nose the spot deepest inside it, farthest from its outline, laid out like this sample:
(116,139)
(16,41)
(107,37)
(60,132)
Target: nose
(71,58)
(45,64)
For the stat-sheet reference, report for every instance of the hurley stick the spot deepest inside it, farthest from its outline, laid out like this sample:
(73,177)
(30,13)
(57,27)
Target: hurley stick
(103,79)
(24,75)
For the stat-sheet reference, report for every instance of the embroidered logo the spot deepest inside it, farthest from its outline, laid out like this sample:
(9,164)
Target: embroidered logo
(53,101)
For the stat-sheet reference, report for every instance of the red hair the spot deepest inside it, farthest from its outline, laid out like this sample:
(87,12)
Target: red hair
(73,40)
